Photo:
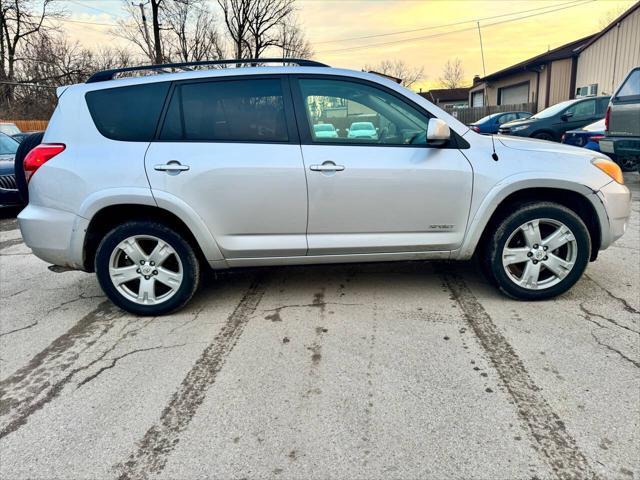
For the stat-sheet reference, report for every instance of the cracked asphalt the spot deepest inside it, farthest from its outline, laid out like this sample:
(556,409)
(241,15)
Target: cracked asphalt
(408,370)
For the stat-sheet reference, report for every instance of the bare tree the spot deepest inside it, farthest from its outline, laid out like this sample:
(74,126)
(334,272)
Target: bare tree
(236,18)
(398,69)
(192,32)
(452,74)
(136,29)
(293,42)
(265,18)
(20,22)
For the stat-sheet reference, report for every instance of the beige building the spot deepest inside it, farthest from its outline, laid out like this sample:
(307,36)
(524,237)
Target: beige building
(609,56)
(593,65)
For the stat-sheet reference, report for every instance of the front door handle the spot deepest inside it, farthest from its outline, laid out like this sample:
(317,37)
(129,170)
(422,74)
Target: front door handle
(327,167)
(171,166)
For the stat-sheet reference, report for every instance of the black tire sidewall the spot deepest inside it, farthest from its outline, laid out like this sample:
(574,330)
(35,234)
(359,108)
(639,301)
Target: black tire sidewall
(544,136)
(190,266)
(515,220)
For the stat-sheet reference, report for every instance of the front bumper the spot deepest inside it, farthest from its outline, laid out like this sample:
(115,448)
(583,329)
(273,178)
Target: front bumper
(616,199)
(55,236)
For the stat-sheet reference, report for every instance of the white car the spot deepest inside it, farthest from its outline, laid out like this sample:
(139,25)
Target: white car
(176,172)
(363,130)
(325,130)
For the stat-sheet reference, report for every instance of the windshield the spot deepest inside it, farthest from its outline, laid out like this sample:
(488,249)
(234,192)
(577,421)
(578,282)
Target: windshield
(362,126)
(484,119)
(8,145)
(553,110)
(9,128)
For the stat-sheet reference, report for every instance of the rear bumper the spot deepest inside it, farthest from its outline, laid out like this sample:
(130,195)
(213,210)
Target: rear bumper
(54,236)
(616,199)
(621,146)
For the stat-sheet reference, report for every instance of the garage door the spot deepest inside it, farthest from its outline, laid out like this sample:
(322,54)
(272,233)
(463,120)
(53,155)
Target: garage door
(514,94)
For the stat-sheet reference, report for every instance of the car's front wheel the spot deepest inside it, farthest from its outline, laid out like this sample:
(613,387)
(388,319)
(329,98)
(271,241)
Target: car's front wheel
(147,268)
(537,252)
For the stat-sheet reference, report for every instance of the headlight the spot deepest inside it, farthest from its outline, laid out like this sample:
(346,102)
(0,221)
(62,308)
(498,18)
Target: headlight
(521,127)
(610,168)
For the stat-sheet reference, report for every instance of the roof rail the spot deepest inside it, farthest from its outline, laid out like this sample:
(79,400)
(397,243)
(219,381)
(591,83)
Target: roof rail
(105,75)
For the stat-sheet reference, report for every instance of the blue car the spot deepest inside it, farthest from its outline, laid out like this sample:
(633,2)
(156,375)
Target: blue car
(586,137)
(491,123)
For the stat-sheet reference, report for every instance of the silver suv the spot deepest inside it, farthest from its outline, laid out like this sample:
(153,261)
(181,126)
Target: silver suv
(147,180)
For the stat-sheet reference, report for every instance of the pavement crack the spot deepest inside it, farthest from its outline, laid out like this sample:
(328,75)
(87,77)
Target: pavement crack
(151,454)
(625,304)
(40,381)
(590,314)
(615,350)
(19,329)
(558,447)
(115,360)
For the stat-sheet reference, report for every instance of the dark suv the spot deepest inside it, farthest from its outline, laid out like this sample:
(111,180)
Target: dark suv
(622,123)
(552,122)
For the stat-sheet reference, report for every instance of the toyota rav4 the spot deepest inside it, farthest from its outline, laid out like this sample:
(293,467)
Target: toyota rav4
(146,180)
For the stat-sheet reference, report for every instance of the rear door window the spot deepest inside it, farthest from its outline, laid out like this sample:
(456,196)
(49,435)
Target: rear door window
(250,110)
(128,113)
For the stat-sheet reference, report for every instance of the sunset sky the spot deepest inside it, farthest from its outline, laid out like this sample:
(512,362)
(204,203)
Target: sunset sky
(511,30)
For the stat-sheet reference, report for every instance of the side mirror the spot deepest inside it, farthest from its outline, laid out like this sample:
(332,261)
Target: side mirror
(438,132)
(566,116)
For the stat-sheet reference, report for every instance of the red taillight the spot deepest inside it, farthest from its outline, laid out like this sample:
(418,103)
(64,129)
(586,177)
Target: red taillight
(606,119)
(475,129)
(563,138)
(39,155)
(596,138)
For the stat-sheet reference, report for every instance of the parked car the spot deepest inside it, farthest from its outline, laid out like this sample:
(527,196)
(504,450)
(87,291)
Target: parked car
(19,137)
(324,130)
(165,184)
(552,122)
(9,195)
(9,128)
(587,137)
(362,130)
(622,121)
(491,123)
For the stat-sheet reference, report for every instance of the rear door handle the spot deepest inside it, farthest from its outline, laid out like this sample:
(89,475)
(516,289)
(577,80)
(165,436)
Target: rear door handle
(171,166)
(327,167)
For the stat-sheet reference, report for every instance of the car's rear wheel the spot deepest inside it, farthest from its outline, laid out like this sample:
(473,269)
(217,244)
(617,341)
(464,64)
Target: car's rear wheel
(544,136)
(539,251)
(147,268)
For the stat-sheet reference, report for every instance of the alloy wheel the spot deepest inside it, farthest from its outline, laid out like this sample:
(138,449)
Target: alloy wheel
(539,254)
(145,269)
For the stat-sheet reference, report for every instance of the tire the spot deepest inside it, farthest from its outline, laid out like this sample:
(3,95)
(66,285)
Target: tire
(25,147)
(628,163)
(138,284)
(544,136)
(554,278)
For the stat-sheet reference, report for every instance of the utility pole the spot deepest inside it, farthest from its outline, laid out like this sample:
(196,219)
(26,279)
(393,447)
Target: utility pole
(155,6)
(147,40)
(484,71)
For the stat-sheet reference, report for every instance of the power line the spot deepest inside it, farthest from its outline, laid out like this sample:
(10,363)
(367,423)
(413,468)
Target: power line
(433,27)
(424,37)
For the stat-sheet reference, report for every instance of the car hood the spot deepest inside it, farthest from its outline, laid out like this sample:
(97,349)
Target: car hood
(535,145)
(7,164)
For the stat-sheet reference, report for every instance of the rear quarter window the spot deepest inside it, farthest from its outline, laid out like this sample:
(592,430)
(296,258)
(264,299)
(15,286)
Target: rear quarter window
(128,113)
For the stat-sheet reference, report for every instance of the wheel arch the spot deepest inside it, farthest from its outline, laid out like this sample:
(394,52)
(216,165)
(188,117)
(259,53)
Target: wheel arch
(578,198)
(545,130)
(113,215)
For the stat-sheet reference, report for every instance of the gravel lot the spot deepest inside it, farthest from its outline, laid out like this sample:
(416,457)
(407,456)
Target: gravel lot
(410,370)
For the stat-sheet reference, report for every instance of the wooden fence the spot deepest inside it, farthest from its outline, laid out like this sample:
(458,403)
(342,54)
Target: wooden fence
(29,125)
(471,114)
